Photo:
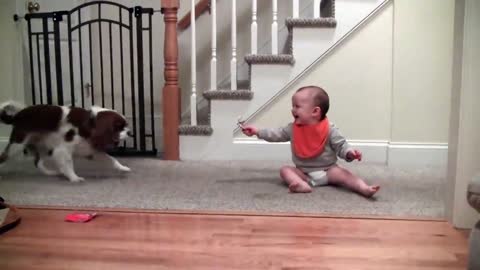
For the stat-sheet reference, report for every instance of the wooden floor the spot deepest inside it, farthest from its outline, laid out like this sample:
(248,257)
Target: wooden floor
(119,240)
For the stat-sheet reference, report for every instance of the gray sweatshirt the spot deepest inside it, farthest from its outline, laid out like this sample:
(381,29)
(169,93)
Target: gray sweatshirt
(336,145)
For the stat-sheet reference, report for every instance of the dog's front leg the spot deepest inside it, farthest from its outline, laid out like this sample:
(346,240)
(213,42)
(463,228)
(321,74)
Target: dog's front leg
(41,166)
(64,161)
(115,163)
(4,154)
(39,160)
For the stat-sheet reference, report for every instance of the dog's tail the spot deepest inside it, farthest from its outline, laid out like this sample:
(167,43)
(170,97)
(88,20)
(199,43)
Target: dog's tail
(8,110)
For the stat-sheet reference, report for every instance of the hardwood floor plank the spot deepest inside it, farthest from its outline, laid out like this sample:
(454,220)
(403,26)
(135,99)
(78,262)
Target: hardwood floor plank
(122,240)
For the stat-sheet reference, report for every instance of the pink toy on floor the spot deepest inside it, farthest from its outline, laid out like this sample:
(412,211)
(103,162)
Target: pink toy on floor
(78,217)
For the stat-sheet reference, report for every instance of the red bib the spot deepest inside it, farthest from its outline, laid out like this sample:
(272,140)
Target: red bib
(309,140)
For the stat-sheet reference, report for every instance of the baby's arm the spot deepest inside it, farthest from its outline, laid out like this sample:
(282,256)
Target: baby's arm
(248,130)
(342,147)
(354,154)
(270,135)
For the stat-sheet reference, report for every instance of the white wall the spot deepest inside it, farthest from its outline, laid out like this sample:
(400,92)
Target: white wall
(390,81)
(423,44)
(11,76)
(356,84)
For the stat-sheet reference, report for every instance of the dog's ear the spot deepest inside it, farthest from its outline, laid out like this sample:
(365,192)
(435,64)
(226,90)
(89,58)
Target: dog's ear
(87,124)
(103,132)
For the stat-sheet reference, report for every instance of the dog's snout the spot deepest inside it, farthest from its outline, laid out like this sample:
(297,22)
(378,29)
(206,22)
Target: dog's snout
(129,133)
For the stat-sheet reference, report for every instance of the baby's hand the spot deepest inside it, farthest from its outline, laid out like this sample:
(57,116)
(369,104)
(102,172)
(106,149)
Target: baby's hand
(354,154)
(249,130)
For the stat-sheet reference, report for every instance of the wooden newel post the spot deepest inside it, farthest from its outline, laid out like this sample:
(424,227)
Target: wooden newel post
(171,91)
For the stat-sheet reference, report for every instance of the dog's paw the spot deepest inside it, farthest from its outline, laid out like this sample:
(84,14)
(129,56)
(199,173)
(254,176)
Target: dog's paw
(124,169)
(77,179)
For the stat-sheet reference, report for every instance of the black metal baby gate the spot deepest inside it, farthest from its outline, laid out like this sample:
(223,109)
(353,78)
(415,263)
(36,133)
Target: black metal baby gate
(86,68)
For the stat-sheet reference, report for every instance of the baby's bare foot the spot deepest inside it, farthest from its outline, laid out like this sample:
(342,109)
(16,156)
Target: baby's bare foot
(370,191)
(299,187)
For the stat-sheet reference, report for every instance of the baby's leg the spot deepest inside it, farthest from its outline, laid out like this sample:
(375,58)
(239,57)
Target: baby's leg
(341,176)
(295,179)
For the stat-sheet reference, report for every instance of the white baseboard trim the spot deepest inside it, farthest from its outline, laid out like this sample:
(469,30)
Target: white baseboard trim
(389,153)
(421,154)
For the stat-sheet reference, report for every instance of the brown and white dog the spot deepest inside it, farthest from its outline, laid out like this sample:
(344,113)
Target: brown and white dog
(60,133)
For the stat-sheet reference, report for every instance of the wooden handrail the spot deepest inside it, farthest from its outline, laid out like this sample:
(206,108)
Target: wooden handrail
(200,8)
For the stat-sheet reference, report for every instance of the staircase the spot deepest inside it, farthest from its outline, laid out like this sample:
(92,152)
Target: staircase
(216,135)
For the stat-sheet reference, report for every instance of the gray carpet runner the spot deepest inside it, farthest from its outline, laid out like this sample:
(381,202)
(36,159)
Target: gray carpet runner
(252,186)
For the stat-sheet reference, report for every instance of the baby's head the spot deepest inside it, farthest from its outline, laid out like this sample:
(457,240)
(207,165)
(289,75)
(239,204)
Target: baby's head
(310,105)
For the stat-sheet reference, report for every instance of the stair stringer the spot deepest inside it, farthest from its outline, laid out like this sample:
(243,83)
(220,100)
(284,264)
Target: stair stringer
(268,81)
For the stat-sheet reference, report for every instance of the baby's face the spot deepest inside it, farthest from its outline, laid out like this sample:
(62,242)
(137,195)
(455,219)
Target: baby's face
(303,109)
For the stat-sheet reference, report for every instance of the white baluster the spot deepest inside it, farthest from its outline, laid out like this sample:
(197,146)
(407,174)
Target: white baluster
(274,28)
(316,9)
(233,62)
(254,27)
(213,62)
(193,97)
(295,9)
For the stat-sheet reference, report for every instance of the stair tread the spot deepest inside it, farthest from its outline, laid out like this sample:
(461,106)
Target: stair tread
(327,22)
(270,59)
(198,130)
(227,94)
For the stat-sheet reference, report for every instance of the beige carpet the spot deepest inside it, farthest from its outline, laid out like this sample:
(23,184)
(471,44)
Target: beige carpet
(223,186)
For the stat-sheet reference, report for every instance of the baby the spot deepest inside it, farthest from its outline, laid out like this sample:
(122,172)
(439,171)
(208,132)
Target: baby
(315,145)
